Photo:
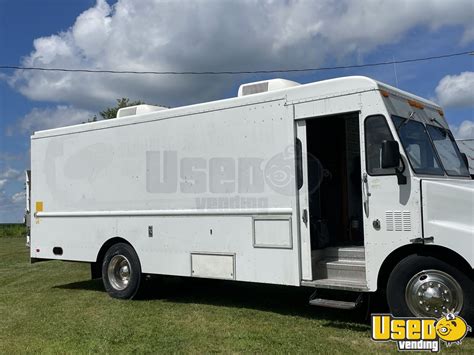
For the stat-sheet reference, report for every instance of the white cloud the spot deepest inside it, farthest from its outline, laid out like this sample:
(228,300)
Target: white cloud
(18,197)
(7,156)
(464,131)
(468,35)
(456,90)
(4,200)
(10,173)
(11,207)
(51,117)
(9,179)
(215,35)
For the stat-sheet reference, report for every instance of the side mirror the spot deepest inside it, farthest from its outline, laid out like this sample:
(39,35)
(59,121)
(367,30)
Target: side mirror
(465,160)
(391,159)
(390,154)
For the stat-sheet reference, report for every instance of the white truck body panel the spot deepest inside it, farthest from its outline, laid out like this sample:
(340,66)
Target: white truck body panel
(209,218)
(451,224)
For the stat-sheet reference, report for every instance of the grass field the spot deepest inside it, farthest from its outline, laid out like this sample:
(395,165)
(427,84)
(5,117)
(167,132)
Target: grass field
(12,230)
(52,307)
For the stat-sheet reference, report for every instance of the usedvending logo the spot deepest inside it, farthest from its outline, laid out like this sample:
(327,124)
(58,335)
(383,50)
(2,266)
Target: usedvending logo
(415,334)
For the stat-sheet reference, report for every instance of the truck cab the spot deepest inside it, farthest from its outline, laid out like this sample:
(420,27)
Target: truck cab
(386,200)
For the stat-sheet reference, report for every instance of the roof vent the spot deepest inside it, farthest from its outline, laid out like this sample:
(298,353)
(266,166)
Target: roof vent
(138,110)
(265,86)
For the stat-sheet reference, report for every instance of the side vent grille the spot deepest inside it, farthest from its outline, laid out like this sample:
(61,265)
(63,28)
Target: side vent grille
(398,221)
(406,220)
(389,221)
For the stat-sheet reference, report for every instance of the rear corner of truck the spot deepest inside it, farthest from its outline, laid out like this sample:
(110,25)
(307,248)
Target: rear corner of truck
(27,217)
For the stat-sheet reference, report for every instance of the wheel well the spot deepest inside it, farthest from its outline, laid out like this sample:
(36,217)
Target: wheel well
(96,267)
(436,251)
(107,245)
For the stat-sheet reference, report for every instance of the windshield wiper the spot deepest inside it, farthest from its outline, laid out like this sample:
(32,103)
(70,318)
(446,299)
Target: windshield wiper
(432,119)
(406,120)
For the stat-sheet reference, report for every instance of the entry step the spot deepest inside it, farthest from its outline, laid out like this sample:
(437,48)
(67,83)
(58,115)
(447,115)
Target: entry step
(345,253)
(321,302)
(346,264)
(336,303)
(341,269)
(337,284)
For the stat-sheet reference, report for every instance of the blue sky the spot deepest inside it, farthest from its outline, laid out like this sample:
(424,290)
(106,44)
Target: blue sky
(212,35)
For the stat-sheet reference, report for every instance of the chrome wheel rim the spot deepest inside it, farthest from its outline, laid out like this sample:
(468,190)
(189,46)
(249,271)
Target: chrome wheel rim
(119,271)
(430,293)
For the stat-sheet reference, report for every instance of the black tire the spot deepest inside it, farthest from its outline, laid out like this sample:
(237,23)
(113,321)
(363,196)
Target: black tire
(119,283)
(412,265)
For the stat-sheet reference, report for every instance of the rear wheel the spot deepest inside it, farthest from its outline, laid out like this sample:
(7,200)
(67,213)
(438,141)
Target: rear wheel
(424,286)
(121,271)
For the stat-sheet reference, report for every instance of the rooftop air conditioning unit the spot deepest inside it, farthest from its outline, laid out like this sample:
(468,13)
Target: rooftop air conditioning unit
(265,86)
(138,110)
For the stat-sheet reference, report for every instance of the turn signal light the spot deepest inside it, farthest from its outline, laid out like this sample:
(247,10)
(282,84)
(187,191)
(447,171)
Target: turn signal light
(384,93)
(416,104)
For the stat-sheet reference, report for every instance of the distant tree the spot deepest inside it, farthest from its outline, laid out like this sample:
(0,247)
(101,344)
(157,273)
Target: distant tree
(111,112)
(93,119)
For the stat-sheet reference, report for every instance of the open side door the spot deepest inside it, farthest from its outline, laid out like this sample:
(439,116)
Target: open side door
(303,200)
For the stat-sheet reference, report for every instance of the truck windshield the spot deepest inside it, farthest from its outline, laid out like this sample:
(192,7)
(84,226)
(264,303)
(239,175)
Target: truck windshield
(418,146)
(448,151)
(429,148)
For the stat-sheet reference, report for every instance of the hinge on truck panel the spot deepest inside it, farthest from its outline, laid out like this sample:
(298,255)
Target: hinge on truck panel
(422,240)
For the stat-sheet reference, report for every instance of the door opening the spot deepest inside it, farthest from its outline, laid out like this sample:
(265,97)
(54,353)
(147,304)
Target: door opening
(334,181)
(335,202)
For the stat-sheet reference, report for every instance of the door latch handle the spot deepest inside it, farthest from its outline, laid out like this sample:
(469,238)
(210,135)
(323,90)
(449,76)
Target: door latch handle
(365,193)
(305,216)
(366,184)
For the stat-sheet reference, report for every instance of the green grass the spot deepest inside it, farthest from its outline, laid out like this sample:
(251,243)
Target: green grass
(52,307)
(12,230)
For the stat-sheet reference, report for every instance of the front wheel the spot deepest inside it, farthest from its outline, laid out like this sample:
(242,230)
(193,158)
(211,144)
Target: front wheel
(423,286)
(121,271)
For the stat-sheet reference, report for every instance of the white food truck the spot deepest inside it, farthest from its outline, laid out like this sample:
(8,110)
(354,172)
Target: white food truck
(344,184)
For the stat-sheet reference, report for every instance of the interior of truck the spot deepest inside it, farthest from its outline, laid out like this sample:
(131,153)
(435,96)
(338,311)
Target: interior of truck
(335,196)
(334,176)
